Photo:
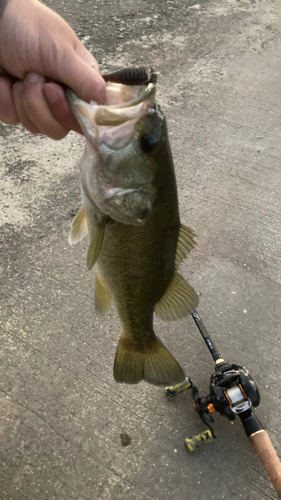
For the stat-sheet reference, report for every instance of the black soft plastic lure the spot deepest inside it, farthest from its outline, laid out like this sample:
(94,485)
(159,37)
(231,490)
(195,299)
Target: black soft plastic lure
(132,76)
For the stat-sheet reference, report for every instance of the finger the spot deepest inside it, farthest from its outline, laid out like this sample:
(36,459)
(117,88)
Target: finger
(8,112)
(83,78)
(37,108)
(56,100)
(21,113)
(85,55)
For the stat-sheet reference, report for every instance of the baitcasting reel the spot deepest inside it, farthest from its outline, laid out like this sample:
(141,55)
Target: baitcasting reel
(233,392)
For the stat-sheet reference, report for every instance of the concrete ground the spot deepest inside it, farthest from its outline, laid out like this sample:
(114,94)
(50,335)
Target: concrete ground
(68,431)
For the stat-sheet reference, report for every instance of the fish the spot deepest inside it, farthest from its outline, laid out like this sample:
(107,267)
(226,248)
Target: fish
(130,211)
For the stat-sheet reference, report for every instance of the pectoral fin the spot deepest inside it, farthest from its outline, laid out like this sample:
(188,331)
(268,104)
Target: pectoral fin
(79,227)
(96,244)
(102,296)
(178,301)
(185,244)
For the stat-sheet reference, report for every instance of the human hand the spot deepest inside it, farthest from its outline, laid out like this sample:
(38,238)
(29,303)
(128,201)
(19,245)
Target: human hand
(39,50)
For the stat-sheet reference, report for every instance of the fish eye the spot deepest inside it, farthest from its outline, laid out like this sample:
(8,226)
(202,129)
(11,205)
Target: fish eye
(148,143)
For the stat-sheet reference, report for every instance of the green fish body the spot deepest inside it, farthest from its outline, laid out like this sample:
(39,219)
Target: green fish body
(137,258)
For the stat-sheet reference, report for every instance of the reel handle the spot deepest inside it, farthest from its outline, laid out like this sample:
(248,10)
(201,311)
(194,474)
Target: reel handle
(193,443)
(173,390)
(263,447)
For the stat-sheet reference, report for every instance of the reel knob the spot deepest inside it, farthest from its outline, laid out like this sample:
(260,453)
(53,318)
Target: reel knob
(173,390)
(193,444)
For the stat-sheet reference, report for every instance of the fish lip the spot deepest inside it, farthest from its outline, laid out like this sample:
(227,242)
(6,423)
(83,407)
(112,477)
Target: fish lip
(110,191)
(73,99)
(105,192)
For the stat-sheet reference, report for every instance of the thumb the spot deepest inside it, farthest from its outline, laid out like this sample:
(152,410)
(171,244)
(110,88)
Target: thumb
(82,75)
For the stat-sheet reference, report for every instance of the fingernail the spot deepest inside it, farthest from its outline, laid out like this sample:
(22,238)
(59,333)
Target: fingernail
(32,78)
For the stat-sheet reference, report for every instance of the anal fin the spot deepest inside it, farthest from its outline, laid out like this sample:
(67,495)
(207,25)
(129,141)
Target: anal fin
(79,228)
(102,296)
(178,301)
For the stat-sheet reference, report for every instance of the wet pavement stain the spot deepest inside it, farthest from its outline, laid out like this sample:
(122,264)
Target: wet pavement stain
(125,439)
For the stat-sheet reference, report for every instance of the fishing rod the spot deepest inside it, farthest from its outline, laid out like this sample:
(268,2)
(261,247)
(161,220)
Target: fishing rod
(233,392)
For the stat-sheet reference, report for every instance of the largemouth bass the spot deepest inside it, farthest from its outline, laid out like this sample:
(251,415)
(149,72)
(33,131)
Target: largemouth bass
(130,210)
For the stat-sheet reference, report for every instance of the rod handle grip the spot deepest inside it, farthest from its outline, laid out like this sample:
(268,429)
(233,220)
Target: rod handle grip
(263,447)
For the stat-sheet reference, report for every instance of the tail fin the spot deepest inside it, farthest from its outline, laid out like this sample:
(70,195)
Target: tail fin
(154,364)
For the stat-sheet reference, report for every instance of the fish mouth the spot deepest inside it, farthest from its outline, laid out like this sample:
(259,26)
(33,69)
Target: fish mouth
(109,128)
(114,122)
